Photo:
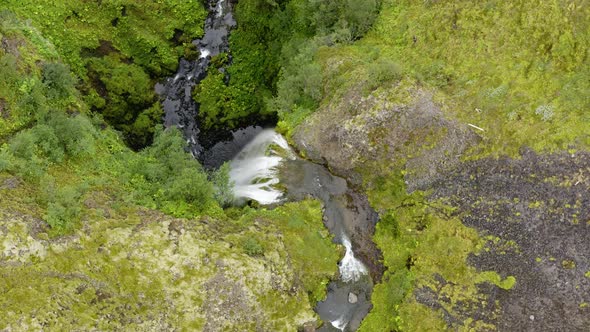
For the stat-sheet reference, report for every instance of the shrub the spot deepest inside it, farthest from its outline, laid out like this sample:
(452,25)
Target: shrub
(224,194)
(190,185)
(64,209)
(383,71)
(127,101)
(63,204)
(5,159)
(76,135)
(34,103)
(165,176)
(252,247)
(53,139)
(360,15)
(58,81)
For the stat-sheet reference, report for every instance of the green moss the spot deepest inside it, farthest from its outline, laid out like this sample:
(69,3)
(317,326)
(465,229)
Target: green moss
(488,64)
(311,252)
(421,240)
(252,247)
(568,264)
(494,277)
(142,270)
(115,63)
(496,82)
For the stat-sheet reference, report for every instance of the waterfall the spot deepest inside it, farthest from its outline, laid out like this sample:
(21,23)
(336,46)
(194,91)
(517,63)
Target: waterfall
(254,169)
(339,323)
(351,269)
(176,92)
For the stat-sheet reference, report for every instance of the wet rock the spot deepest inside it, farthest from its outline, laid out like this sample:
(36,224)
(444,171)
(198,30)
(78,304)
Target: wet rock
(180,109)
(352,298)
(534,207)
(346,211)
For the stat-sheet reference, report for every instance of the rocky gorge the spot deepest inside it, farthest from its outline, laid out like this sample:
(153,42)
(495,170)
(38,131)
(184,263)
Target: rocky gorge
(428,170)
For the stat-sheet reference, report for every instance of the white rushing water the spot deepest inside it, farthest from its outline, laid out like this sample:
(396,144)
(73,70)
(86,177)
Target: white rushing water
(254,169)
(204,52)
(351,269)
(219,8)
(339,324)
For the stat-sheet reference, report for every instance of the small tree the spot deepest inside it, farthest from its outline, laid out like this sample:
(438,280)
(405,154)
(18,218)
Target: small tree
(224,186)
(58,80)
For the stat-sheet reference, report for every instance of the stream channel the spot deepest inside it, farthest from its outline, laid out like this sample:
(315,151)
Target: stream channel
(260,159)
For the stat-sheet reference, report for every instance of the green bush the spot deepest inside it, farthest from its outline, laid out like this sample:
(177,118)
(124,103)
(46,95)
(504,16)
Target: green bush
(273,67)
(359,16)
(76,135)
(9,75)
(224,193)
(213,96)
(64,210)
(58,80)
(127,99)
(5,159)
(107,46)
(56,137)
(382,71)
(166,177)
(252,247)
(190,185)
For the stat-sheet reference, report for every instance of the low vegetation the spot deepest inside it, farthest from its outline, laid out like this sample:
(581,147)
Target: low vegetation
(86,219)
(95,196)
(273,67)
(495,78)
(116,50)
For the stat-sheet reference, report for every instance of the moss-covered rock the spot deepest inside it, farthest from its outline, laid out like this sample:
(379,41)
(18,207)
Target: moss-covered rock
(149,271)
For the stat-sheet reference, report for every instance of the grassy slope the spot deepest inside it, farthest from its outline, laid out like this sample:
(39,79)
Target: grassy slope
(78,250)
(519,70)
(132,268)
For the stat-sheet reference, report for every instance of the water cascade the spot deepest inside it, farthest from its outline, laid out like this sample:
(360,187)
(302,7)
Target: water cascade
(351,269)
(260,159)
(179,107)
(267,160)
(254,170)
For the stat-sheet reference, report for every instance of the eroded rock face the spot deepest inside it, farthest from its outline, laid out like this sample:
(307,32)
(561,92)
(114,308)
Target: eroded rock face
(537,212)
(347,134)
(532,213)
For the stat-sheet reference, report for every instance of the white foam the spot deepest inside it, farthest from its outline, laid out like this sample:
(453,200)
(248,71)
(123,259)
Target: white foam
(254,170)
(204,52)
(219,8)
(339,323)
(351,269)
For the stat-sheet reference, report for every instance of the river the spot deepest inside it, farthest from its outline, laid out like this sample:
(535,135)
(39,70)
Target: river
(266,161)
(261,159)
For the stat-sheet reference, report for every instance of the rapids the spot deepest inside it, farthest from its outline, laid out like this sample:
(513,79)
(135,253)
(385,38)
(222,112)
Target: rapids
(266,161)
(176,93)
